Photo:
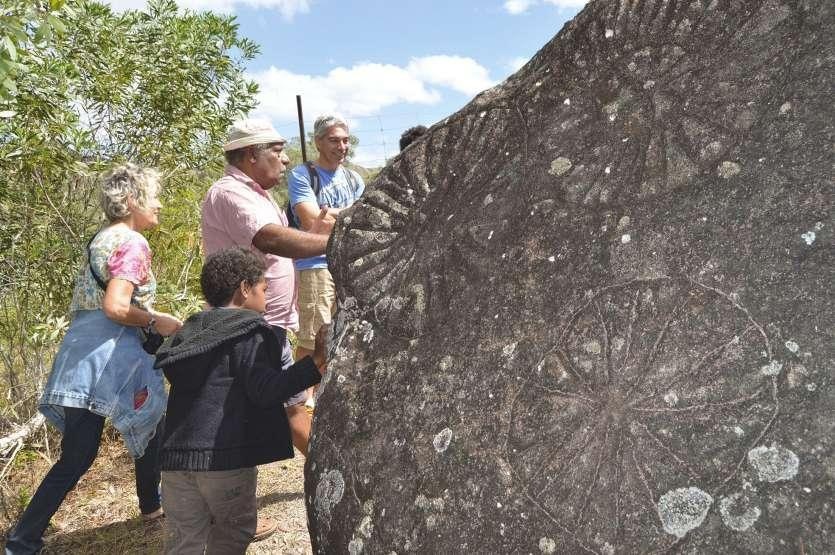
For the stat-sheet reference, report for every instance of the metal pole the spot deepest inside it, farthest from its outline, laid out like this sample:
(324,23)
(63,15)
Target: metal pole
(302,136)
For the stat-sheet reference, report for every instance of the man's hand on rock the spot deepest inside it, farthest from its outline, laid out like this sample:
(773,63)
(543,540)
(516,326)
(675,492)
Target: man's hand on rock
(321,346)
(323,224)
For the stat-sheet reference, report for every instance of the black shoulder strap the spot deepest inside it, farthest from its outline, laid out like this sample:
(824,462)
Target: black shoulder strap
(96,277)
(314,179)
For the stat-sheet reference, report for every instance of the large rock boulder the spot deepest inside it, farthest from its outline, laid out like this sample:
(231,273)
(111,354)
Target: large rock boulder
(592,312)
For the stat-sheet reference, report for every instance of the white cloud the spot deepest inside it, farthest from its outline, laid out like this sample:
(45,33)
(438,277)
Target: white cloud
(464,75)
(367,88)
(516,7)
(287,8)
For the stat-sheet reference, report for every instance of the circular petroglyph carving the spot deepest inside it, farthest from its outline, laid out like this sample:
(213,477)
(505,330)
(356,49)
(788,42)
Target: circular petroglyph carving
(647,381)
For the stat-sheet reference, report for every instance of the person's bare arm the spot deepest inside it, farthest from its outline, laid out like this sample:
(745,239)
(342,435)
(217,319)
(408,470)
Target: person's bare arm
(116,306)
(293,243)
(308,214)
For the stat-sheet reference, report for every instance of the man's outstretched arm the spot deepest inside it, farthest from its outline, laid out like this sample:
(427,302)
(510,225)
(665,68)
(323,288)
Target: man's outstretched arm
(292,243)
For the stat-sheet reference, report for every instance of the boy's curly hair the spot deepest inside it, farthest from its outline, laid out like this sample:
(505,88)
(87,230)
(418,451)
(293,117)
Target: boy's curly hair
(224,271)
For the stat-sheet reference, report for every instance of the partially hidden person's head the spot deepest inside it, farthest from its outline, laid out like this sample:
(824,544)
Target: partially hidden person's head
(130,193)
(257,149)
(412,133)
(332,138)
(234,277)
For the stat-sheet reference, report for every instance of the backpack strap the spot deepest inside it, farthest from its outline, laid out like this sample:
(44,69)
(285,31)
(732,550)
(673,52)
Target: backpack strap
(315,184)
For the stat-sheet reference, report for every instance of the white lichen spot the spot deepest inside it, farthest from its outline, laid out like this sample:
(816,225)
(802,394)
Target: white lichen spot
(773,368)
(487,200)
(792,346)
(329,491)
(538,84)
(355,546)
(728,169)
(508,350)
(625,238)
(624,222)
(567,102)
(739,431)
(490,235)
(609,33)
(809,237)
(613,117)
(593,347)
(632,66)
(737,512)
(341,378)
(649,84)
(671,398)
(445,363)
(431,522)
(811,387)
(773,464)
(607,170)
(442,440)
(607,549)
(547,545)
(785,107)
(482,114)
(683,509)
(818,226)
(559,166)
(618,343)
(366,526)
(551,258)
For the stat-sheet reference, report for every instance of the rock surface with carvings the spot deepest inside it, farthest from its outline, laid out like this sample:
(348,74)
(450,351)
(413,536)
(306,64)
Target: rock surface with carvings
(592,312)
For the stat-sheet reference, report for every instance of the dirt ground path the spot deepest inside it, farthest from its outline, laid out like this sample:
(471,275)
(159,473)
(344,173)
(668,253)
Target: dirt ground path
(101,515)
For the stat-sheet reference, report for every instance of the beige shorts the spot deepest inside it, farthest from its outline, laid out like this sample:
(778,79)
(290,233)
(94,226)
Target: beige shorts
(317,304)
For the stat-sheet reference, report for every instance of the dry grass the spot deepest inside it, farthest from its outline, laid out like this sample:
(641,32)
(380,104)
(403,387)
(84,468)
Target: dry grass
(101,515)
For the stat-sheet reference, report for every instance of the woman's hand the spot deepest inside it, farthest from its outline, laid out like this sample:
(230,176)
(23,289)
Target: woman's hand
(166,324)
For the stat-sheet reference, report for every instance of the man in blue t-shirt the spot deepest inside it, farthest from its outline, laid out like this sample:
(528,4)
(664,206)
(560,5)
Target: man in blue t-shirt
(339,188)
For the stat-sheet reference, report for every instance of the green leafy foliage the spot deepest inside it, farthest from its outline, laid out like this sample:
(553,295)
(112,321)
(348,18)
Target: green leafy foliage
(82,88)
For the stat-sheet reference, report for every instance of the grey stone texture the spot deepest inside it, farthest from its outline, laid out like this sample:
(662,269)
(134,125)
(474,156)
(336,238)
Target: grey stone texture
(592,312)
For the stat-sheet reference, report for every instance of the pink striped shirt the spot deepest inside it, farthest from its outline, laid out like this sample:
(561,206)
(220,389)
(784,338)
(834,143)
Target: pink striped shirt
(234,209)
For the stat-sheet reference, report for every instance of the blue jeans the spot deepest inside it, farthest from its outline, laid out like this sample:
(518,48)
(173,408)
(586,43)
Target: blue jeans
(79,446)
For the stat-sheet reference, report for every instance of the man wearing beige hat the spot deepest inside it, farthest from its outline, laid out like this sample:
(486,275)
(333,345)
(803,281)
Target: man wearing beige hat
(239,211)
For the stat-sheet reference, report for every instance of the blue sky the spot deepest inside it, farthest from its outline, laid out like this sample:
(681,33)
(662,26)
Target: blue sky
(384,64)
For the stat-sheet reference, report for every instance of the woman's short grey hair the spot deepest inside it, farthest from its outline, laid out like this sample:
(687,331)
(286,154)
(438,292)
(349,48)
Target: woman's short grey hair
(323,123)
(124,182)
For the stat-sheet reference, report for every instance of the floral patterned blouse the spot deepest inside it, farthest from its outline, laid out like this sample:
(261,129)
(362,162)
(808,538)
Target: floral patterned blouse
(116,252)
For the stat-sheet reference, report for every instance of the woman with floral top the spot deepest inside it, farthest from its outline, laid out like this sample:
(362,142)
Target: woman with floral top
(101,370)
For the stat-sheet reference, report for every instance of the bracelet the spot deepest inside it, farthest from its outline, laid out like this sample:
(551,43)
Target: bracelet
(151,323)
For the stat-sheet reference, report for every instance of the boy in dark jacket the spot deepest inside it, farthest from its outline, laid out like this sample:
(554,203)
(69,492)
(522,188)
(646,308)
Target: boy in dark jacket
(225,410)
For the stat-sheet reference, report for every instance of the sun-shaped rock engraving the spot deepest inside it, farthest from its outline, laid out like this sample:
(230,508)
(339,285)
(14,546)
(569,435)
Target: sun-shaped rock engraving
(648,380)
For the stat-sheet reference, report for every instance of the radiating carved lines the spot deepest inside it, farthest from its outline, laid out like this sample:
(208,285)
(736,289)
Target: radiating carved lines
(611,431)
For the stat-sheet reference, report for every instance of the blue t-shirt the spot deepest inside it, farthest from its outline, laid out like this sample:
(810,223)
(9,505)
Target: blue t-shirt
(335,191)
